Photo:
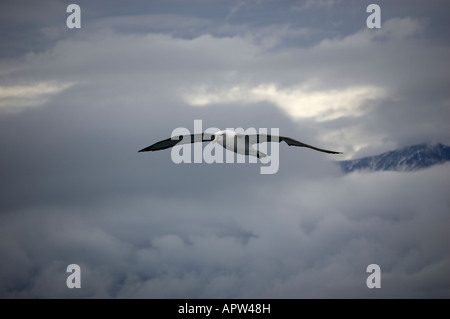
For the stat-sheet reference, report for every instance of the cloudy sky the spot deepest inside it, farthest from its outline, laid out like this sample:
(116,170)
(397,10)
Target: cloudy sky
(77,104)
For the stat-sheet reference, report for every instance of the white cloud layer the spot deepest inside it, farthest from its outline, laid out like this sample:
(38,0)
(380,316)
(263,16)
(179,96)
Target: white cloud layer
(16,98)
(300,102)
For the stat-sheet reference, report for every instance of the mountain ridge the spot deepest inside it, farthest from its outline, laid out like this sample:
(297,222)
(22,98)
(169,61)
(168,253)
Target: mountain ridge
(410,158)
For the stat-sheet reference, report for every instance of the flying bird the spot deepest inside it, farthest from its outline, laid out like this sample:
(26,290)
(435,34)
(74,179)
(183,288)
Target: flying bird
(229,139)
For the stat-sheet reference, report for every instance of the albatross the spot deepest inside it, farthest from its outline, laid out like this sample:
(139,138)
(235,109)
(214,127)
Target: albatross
(229,139)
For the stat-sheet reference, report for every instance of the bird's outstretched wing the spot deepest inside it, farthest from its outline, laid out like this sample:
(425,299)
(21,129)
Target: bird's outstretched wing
(178,140)
(261,138)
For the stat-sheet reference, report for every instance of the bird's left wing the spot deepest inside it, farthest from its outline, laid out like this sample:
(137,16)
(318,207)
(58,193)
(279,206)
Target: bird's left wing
(178,140)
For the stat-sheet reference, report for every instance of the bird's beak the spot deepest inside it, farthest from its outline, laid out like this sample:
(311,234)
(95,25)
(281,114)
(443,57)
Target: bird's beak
(214,140)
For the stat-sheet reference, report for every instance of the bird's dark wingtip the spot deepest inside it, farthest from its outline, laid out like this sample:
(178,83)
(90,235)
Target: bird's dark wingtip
(144,150)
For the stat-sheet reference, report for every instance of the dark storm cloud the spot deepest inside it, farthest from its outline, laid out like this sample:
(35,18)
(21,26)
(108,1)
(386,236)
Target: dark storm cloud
(75,190)
(358,59)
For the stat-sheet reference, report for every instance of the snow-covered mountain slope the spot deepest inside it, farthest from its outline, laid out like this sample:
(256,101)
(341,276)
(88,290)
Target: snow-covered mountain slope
(406,159)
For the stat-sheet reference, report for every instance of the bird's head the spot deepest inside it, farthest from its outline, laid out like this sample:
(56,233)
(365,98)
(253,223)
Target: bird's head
(220,136)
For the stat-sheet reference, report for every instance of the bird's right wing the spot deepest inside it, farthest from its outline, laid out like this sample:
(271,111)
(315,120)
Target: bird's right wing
(261,138)
(291,142)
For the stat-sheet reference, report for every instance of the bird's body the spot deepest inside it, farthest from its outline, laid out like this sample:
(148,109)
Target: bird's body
(236,143)
(229,139)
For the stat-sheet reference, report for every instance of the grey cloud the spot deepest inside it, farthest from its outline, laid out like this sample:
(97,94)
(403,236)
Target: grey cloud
(175,252)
